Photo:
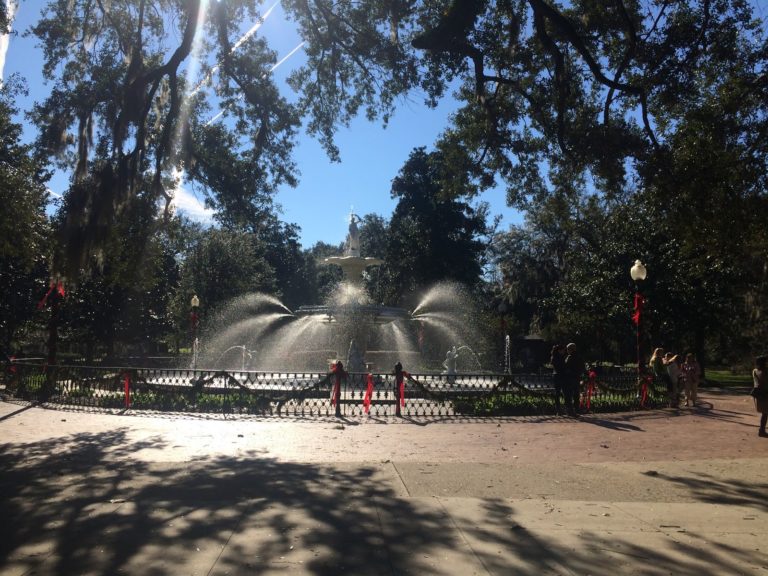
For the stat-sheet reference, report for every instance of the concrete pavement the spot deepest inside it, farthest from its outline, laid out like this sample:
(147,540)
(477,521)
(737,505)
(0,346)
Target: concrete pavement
(657,492)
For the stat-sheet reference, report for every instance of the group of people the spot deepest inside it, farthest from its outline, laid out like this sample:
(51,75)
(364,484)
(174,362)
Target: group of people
(681,375)
(567,369)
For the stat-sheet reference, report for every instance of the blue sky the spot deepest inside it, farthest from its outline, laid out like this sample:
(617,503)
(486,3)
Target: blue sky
(327,192)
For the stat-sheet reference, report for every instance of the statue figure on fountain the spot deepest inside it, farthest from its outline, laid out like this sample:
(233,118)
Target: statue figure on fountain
(352,263)
(355,360)
(353,237)
(450,360)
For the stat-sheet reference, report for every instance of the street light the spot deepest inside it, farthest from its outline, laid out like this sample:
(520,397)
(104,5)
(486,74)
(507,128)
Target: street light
(638,273)
(194,319)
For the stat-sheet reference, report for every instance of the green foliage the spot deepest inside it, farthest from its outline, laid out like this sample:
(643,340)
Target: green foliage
(25,247)
(520,404)
(295,271)
(125,296)
(326,277)
(432,237)
(222,265)
(727,378)
(548,87)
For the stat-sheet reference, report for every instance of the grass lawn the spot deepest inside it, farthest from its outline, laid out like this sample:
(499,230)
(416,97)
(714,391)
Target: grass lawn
(727,378)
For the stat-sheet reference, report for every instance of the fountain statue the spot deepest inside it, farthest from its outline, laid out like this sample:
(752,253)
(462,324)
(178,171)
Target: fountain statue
(351,263)
(353,236)
(258,332)
(355,360)
(450,360)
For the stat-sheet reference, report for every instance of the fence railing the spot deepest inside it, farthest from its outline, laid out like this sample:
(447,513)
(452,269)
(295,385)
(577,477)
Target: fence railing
(320,394)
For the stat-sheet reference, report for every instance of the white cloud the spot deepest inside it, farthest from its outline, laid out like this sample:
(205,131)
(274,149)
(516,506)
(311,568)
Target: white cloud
(187,203)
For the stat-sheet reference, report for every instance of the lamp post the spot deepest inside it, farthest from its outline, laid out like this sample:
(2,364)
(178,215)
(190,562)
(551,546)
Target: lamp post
(638,273)
(194,320)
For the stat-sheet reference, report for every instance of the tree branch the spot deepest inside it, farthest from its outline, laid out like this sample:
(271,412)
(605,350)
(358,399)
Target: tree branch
(628,55)
(559,78)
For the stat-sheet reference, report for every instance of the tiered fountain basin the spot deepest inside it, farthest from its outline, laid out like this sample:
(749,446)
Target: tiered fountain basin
(377,313)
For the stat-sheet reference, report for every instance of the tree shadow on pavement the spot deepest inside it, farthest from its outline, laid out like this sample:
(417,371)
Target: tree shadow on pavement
(711,489)
(611,424)
(74,505)
(505,547)
(78,505)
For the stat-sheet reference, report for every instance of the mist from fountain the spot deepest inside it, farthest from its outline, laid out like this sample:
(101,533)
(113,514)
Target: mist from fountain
(347,325)
(278,340)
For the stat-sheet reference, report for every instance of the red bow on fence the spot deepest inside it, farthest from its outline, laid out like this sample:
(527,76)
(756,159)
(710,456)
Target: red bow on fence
(368,394)
(591,381)
(127,384)
(401,387)
(338,371)
(646,382)
(400,376)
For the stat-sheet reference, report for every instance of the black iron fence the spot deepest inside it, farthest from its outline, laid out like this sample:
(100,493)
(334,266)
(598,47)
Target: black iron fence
(315,394)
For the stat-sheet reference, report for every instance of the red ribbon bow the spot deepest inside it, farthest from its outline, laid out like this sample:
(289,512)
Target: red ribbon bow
(57,288)
(638,308)
(336,395)
(592,377)
(401,388)
(127,384)
(368,394)
(647,380)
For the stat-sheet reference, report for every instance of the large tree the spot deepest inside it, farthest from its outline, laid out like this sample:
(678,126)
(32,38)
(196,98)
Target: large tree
(221,265)
(124,298)
(432,235)
(126,115)
(550,89)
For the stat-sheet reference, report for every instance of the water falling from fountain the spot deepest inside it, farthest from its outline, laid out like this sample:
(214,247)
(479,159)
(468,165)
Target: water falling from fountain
(347,327)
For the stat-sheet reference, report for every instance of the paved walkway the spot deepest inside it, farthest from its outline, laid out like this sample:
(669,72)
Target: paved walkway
(657,492)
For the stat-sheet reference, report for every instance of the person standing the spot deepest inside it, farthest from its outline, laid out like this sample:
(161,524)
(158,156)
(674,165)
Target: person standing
(574,369)
(692,372)
(673,374)
(760,392)
(557,359)
(656,363)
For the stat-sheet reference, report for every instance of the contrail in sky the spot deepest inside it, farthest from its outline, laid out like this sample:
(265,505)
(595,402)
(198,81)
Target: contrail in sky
(10,9)
(236,45)
(283,59)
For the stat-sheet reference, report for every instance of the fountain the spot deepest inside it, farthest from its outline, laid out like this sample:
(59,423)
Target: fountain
(365,336)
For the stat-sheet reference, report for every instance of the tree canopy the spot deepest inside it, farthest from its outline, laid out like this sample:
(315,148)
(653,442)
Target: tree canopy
(124,116)
(546,86)
(432,236)
(624,129)
(24,229)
